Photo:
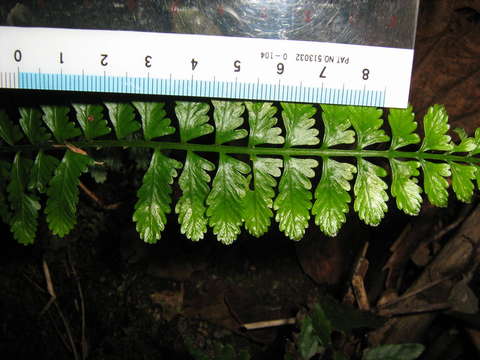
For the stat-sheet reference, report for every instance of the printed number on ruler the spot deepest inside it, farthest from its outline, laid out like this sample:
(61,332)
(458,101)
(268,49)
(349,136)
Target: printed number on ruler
(205,66)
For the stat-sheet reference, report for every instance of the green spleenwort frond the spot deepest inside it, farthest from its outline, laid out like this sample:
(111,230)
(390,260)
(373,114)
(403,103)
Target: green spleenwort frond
(9,132)
(32,126)
(90,118)
(63,193)
(260,173)
(370,195)
(5,213)
(224,202)
(258,201)
(293,202)
(194,180)
(123,120)
(154,122)
(154,198)
(23,222)
(332,196)
(56,118)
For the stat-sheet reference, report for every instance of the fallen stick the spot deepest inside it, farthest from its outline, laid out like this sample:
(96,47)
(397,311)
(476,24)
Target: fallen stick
(269,323)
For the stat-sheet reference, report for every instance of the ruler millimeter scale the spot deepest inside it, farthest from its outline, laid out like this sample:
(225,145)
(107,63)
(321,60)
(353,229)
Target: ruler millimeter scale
(203,66)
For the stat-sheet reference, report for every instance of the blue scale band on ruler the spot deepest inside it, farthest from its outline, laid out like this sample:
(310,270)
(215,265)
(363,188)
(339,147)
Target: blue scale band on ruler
(199,88)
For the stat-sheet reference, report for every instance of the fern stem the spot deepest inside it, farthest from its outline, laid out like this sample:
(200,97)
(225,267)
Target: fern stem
(252,151)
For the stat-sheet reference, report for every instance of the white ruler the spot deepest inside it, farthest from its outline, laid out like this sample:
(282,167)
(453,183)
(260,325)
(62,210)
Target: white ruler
(203,66)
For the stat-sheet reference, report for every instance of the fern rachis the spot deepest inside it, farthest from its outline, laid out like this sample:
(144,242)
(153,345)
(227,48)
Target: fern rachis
(268,178)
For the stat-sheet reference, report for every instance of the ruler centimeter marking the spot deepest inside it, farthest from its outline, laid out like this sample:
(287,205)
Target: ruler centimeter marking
(203,66)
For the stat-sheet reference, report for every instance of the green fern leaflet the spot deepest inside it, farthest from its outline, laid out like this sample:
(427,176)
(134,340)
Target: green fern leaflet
(236,165)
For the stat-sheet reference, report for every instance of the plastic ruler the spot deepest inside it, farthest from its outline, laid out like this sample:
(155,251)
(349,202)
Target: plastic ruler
(203,66)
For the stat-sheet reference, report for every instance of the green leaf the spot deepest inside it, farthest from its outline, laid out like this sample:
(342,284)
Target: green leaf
(308,342)
(225,210)
(262,121)
(62,193)
(476,140)
(337,126)
(434,182)
(193,120)
(404,186)
(462,184)
(367,122)
(122,117)
(154,197)
(258,201)
(435,124)
(31,123)
(394,352)
(332,196)
(42,171)
(322,325)
(154,122)
(370,195)
(8,132)
(191,206)
(466,143)
(90,118)
(5,214)
(293,202)
(403,124)
(228,117)
(56,118)
(299,124)
(23,222)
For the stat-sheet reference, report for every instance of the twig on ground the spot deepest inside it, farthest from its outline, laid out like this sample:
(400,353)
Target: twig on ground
(269,323)
(82,306)
(356,289)
(413,292)
(417,310)
(97,199)
(52,300)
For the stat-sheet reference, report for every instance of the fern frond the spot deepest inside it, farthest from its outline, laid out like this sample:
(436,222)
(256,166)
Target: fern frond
(5,213)
(332,196)
(293,202)
(154,197)
(370,195)
(405,188)
(225,201)
(42,171)
(9,132)
(154,122)
(435,124)
(122,117)
(193,120)
(90,118)
(62,193)
(244,189)
(32,126)
(262,121)
(258,201)
(56,118)
(336,126)
(462,180)
(228,117)
(191,207)
(194,180)
(23,222)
